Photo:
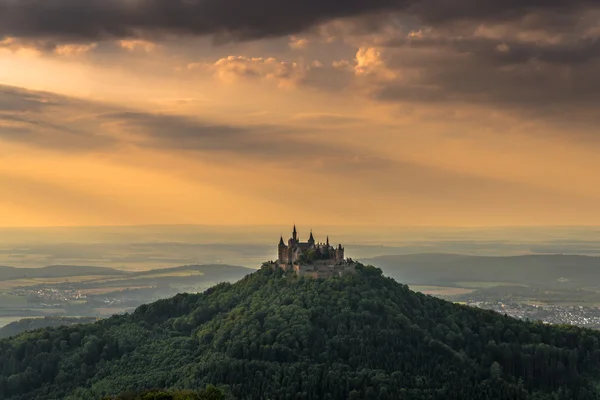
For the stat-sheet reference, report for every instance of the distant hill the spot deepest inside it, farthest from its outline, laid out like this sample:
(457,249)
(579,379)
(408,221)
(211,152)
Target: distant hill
(548,270)
(272,336)
(210,269)
(30,324)
(216,272)
(55,271)
(177,276)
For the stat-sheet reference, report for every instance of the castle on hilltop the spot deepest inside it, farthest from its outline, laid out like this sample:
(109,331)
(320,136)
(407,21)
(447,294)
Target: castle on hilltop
(319,260)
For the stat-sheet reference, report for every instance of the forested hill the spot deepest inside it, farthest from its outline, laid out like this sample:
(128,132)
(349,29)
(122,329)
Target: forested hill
(270,336)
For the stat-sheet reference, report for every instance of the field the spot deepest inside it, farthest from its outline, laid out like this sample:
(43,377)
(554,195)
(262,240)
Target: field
(441,290)
(484,285)
(10,301)
(111,289)
(162,274)
(6,285)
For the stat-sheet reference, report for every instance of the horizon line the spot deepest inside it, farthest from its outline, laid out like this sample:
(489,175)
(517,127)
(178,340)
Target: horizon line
(282,225)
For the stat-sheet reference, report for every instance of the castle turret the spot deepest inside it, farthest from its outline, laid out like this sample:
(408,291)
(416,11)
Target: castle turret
(282,251)
(339,253)
(295,234)
(311,239)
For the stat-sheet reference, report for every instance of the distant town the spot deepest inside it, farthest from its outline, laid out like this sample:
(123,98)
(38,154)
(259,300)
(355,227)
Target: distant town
(588,317)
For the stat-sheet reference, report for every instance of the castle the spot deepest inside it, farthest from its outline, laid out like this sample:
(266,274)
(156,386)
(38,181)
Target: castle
(319,260)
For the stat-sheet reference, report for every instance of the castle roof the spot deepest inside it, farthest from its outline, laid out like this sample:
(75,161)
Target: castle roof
(281,243)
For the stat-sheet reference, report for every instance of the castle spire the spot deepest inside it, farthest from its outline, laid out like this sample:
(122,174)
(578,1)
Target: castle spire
(327,240)
(281,243)
(311,239)
(295,234)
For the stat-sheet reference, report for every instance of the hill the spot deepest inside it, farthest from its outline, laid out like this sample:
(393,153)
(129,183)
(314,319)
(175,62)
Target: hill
(55,271)
(542,270)
(269,336)
(30,324)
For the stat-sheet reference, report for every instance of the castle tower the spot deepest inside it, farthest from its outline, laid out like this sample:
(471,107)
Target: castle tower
(340,253)
(282,251)
(311,239)
(295,234)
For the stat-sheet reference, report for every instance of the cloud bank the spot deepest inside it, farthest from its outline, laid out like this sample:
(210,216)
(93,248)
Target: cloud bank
(93,20)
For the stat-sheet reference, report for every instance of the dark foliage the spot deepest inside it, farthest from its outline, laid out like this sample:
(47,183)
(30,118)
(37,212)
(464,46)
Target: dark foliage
(210,393)
(271,336)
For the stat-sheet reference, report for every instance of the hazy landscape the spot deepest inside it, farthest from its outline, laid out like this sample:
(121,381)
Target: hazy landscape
(149,247)
(97,272)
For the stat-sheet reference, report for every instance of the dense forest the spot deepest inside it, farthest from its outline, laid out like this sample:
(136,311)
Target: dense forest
(271,336)
(210,393)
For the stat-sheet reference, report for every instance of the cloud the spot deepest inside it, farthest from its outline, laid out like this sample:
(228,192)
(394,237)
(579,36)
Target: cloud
(45,120)
(13,99)
(74,49)
(534,65)
(137,44)
(231,68)
(264,142)
(527,54)
(328,119)
(69,20)
(59,123)
(298,43)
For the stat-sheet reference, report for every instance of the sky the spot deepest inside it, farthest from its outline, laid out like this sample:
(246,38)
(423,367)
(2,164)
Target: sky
(329,112)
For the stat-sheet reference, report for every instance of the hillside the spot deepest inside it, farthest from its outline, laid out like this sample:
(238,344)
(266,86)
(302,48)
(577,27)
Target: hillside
(268,336)
(543,270)
(30,324)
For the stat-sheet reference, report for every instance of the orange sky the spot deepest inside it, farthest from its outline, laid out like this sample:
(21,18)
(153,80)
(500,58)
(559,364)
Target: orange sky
(394,125)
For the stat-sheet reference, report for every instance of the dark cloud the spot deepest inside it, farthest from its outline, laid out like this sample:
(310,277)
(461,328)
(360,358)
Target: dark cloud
(557,80)
(94,20)
(14,99)
(560,12)
(270,143)
(507,50)
(73,20)
(45,120)
(57,123)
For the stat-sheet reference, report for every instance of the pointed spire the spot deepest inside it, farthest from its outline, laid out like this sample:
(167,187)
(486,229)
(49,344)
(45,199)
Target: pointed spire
(295,234)
(327,240)
(281,243)
(311,236)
